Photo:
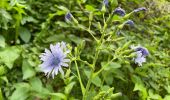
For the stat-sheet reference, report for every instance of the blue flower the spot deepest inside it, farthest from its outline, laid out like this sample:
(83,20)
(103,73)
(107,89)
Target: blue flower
(54,59)
(106,2)
(141,53)
(140,9)
(143,50)
(68,17)
(129,22)
(139,59)
(119,11)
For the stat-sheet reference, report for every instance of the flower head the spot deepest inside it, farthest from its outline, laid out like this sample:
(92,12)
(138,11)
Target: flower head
(68,16)
(140,9)
(54,59)
(129,22)
(106,3)
(119,11)
(139,59)
(141,53)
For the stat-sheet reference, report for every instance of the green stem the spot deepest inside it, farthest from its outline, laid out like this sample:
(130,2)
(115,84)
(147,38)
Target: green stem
(1,97)
(91,33)
(88,30)
(79,78)
(88,84)
(91,74)
(85,62)
(17,32)
(97,73)
(99,43)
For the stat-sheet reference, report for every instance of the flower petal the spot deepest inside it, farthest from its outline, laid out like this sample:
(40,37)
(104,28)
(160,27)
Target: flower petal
(61,71)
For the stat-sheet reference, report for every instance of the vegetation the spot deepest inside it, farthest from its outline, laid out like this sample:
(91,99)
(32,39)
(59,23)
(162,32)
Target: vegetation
(108,49)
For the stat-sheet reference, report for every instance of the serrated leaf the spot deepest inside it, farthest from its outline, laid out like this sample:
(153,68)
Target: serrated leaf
(24,34)
(7,53)
(27,70)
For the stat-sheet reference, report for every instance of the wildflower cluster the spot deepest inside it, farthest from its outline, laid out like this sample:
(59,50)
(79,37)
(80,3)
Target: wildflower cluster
(55,59)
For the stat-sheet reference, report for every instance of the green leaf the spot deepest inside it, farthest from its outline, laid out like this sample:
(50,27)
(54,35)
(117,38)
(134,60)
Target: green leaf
(75,39)
(2,70)
(57,96)
(25,34)
(5,18)
(28,19)
(108,77)
(7,53)
(21,92)
(154,96)
(4,78)
(27,70)
(96,80)
(167,97)
(2,41)
(105,88)
(142,89)
(55,38)
(62,24)
(36,84)
(167,88)
(90,8)
(110,65)
(63,8)
(114,3)
(118,74)
(69,87)
(136,79)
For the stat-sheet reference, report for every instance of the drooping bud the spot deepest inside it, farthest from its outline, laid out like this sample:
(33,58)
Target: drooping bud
(139,9)
(119,11)
(106,3)
(129,22)
(68,17)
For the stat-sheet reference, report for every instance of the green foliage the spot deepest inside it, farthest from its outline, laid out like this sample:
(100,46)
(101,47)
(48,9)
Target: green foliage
(25,34)
(27,70)
(8,55)
(102,66)
(2,41)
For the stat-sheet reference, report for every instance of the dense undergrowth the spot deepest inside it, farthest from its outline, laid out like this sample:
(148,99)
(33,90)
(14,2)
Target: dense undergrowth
(102,65)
